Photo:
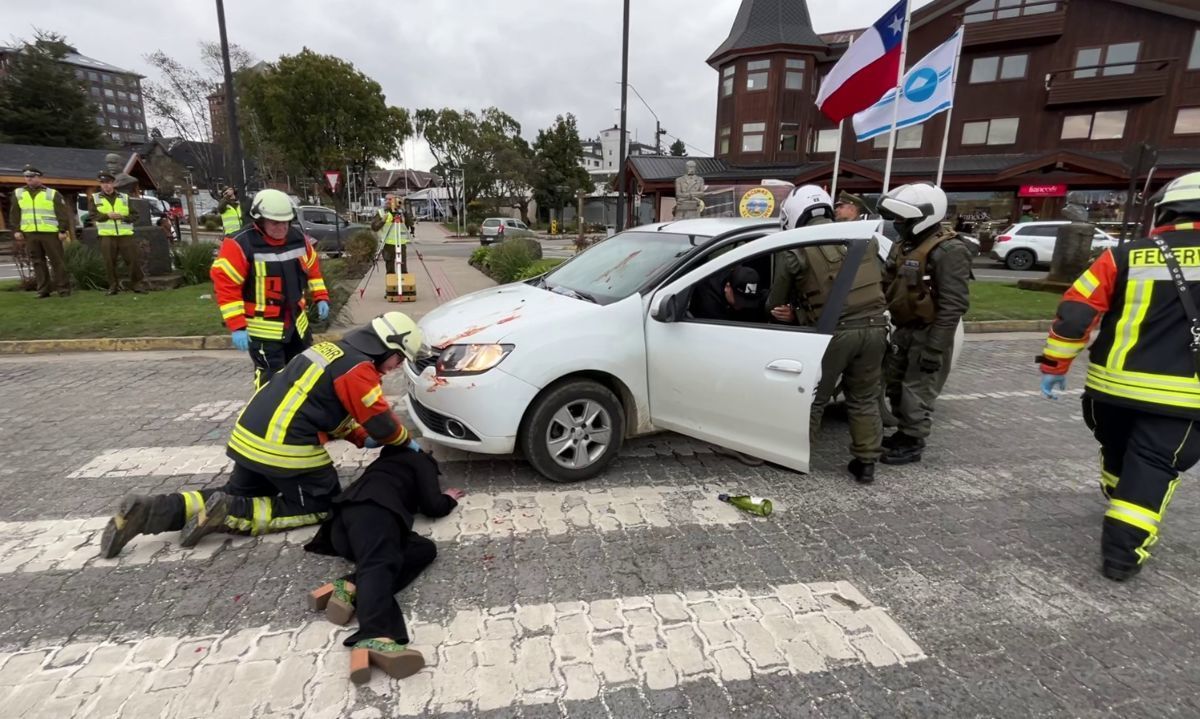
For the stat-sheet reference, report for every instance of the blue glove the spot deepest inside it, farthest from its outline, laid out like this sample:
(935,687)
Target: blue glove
(412,445)
(241,340)
(322,310)
(371,443)
(1053,385)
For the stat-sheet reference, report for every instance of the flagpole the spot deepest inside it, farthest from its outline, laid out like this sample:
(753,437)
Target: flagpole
(887,170)
(837,162)
(949,112)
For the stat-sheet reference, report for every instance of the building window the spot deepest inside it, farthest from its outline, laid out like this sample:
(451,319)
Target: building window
(80,74)
(114,122)
(794,77)
(1187,122)
(752,136)
(907,138)
(826,140)
(100,120)
(988,10)
(1194,58)
(1097,126)
(95,91)
(133,97)
(757,74)
(125,124)
(93,77)
(1000,131)
(105,77)
(116,136)
(1110,60)
(109,93)
(991,69)
(726,133)
(789,136)
(727,81)
(111,108)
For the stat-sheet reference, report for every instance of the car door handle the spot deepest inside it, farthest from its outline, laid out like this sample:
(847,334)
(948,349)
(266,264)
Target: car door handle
(789,366)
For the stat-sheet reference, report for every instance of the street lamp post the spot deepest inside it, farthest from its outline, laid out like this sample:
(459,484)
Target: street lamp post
(561,190)
(624,127)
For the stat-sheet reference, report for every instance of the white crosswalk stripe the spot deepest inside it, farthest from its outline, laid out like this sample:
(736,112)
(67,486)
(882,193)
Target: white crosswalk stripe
(481,659)
(73,543)
(1004,395)
(213,411)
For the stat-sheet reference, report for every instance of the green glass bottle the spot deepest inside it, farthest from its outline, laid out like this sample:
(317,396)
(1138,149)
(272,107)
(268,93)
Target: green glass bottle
(746,503)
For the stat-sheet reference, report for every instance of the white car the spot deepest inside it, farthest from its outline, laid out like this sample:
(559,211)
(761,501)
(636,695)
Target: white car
(495,229)
(564,367)
(1026,244)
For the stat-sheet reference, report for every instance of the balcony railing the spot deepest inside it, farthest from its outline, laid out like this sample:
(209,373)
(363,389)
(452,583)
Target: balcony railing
(1140,80)
(1001,21)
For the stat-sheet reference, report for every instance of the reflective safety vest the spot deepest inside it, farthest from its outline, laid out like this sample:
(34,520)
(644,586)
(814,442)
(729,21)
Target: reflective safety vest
(231,219)
(1142,355)
(394,231)
(273,287)
(329,391)
(112,228)
(910,294)
(37,211)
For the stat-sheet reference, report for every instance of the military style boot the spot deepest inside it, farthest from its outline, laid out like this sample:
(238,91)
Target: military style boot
(210,519)
(140,514)
(864,472)
(902,449)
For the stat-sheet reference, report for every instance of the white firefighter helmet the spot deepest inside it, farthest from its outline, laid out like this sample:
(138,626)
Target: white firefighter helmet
(802,205)
(914,208)
(387,334)
(1181,196)
(272,205)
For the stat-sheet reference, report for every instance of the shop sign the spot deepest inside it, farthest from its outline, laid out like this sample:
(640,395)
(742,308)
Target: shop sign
(758,202)
(1056,190)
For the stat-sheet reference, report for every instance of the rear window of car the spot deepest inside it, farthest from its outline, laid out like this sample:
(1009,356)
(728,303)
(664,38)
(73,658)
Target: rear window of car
(491,223)
(1040,230)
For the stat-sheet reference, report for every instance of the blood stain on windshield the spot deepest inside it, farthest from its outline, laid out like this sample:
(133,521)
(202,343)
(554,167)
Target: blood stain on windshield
(620,266)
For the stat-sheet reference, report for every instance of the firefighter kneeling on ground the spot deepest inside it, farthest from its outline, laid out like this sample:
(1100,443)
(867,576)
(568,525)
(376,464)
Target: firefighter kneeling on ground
(283,477)
(1142,397)
(259,279)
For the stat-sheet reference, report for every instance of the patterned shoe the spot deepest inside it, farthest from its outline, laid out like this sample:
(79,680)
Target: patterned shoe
(397,660)
(336,599)
(127,523)
(210,519)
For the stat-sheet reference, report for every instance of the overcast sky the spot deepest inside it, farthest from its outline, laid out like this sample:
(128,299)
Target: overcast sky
(532,58)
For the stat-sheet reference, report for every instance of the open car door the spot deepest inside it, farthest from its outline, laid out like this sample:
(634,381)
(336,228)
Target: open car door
(745,386)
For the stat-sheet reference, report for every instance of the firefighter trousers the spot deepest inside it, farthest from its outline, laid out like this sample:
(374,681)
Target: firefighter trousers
(1142,456)
(910,391)
(387,557)
(854,359)
(271,357)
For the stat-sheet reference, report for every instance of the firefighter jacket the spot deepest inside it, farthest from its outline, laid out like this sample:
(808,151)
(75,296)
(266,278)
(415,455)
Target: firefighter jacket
(927,285)
(1142,355)
(99,208)
(329,391)
(805,276)
(259,283)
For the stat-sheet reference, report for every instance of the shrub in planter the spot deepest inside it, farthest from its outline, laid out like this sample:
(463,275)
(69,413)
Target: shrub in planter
(510,258)
(539,267)
(86,267)
(194,261)
(360,251)
(472,229)
(212,223)
(479,258)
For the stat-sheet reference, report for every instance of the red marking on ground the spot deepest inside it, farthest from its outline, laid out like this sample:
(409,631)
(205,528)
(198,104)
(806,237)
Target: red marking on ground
(237,597)
(437,383)
(488,557)
(199,649)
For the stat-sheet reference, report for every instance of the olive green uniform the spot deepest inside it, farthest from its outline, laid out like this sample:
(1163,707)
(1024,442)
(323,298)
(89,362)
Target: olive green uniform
(804,278)
(46,248)
(125,247)
(927,294)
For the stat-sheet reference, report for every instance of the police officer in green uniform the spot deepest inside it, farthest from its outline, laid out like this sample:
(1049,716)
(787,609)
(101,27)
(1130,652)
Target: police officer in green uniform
(114,219)
(40,218)
(850,207)
(800,288)
(927,274)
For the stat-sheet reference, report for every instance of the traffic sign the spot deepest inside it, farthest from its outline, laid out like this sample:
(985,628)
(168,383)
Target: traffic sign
(332,179)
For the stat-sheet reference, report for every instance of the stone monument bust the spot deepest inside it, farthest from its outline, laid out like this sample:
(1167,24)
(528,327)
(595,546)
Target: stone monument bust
(689,189)
(112,163)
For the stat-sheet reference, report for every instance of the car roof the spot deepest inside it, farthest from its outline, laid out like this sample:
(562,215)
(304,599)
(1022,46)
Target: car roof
(701,226)
(316,207)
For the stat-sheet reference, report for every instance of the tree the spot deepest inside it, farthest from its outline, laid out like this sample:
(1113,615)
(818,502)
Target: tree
(558,152)
(42,102)
(321,112)
(487,147)
(678,149)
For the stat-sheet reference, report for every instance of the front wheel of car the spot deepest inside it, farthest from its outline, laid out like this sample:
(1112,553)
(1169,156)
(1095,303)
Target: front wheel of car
(573,431)
(1019,260)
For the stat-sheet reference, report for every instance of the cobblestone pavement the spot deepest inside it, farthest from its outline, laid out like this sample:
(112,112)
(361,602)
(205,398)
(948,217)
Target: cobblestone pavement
(964,586)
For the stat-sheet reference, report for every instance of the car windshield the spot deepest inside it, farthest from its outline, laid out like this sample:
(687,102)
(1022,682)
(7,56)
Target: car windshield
(619,266)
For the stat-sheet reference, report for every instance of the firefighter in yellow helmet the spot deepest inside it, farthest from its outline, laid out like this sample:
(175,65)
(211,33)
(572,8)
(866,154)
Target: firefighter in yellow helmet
(283,477)
(1142,396)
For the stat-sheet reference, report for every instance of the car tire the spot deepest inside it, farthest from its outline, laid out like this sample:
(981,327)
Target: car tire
(560,411)
(1020,260)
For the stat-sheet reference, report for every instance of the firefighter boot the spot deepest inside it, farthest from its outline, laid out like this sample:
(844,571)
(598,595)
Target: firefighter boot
(1120,571)
(140,514)
(902,449)
(210,519)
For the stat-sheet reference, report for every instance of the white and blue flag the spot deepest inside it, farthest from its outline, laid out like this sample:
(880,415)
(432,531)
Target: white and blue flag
(928,89)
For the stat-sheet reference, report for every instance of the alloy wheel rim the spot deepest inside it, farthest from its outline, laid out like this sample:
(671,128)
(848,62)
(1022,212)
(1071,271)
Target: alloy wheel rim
(579,434)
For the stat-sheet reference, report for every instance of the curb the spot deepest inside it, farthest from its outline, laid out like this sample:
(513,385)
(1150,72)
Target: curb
(127,344)
(1007,326)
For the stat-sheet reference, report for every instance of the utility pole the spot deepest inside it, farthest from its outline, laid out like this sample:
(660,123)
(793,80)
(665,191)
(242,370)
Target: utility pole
(238,169)
(579,219)
(624,107)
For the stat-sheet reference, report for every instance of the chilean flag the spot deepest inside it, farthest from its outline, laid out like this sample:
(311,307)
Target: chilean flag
(870,67)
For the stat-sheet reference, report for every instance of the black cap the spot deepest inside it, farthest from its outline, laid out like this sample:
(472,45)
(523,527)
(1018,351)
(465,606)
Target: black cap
(31,170)
(106,176)
(746,295)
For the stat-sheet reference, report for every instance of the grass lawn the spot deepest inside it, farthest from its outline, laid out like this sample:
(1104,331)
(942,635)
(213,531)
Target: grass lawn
(171,313)
(996,301)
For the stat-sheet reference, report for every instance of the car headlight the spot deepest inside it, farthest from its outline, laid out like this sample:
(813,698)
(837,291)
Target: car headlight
(471,359)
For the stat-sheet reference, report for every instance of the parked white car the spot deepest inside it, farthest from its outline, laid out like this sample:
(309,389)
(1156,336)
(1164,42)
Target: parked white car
(495,229)
(1026,244)
(564,367)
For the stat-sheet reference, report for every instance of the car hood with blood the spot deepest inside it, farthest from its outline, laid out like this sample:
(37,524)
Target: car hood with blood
(498,314)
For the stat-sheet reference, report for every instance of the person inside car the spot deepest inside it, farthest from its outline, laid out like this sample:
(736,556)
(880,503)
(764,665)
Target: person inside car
(732,297)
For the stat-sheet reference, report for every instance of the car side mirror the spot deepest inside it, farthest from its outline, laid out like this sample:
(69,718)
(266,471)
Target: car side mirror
(665,310)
